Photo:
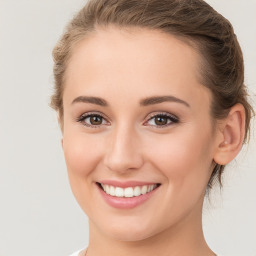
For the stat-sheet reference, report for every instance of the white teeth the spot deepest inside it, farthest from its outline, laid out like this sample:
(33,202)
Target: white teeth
(144,190)
(127,192)
(137,191)
(150,188)
(119,192)
(112,191)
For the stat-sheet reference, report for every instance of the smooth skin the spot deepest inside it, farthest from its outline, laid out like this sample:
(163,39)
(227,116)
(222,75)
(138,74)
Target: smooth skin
(112,129)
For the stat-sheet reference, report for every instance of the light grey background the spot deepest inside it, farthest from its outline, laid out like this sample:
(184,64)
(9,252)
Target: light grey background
(38,215)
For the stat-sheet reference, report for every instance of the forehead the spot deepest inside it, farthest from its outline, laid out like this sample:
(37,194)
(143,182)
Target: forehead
(126,60)
(134,46)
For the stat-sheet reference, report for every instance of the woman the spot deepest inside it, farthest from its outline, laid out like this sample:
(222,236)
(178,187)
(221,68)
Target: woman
(152,105)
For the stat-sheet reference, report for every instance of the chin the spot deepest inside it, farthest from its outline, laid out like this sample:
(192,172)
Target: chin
(128,233)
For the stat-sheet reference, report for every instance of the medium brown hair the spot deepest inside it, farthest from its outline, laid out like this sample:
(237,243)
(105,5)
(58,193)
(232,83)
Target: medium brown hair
(222,68)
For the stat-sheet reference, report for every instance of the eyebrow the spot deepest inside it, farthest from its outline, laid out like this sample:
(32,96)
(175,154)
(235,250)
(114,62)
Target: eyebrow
(161,99)
(144,102)
(90,99)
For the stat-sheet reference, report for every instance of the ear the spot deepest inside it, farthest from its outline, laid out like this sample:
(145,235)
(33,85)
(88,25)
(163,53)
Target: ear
(60,122)
(232,132)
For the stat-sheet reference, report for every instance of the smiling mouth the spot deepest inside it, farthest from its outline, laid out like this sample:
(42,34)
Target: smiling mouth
(129,191)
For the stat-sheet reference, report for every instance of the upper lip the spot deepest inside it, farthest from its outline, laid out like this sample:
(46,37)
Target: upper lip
(126,184)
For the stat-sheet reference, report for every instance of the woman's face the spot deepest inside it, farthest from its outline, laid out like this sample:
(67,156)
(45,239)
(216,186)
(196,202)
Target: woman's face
(136,118)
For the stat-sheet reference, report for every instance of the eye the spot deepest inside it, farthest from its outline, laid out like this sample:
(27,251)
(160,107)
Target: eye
(92,120)
(161,120)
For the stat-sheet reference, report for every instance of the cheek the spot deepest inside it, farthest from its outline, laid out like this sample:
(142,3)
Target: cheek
(184,158)
(81,154)
(185,162)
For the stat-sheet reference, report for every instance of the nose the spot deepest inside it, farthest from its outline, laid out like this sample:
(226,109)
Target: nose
(123,152)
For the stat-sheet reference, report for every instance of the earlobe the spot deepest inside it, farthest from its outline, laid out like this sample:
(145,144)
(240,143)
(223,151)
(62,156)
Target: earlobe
(62,143)
(233,131)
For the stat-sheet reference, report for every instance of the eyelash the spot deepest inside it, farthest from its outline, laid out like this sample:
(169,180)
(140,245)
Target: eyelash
(82,118)
(171,119)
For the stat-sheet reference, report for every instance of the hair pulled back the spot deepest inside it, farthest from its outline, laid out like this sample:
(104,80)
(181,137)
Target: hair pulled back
(222,68)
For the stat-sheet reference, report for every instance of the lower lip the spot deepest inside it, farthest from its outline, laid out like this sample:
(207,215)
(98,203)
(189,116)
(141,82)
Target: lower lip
(126,202)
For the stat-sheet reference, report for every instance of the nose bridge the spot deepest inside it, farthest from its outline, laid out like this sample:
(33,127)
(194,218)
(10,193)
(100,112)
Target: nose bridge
(123,152)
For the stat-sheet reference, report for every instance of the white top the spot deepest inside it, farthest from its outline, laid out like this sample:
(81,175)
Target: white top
(77,253)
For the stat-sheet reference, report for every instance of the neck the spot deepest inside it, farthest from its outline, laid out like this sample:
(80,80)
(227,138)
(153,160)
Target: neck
(184,238)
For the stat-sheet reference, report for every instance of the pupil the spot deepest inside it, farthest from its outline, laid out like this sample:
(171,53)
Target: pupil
(161,120)
(95,120)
